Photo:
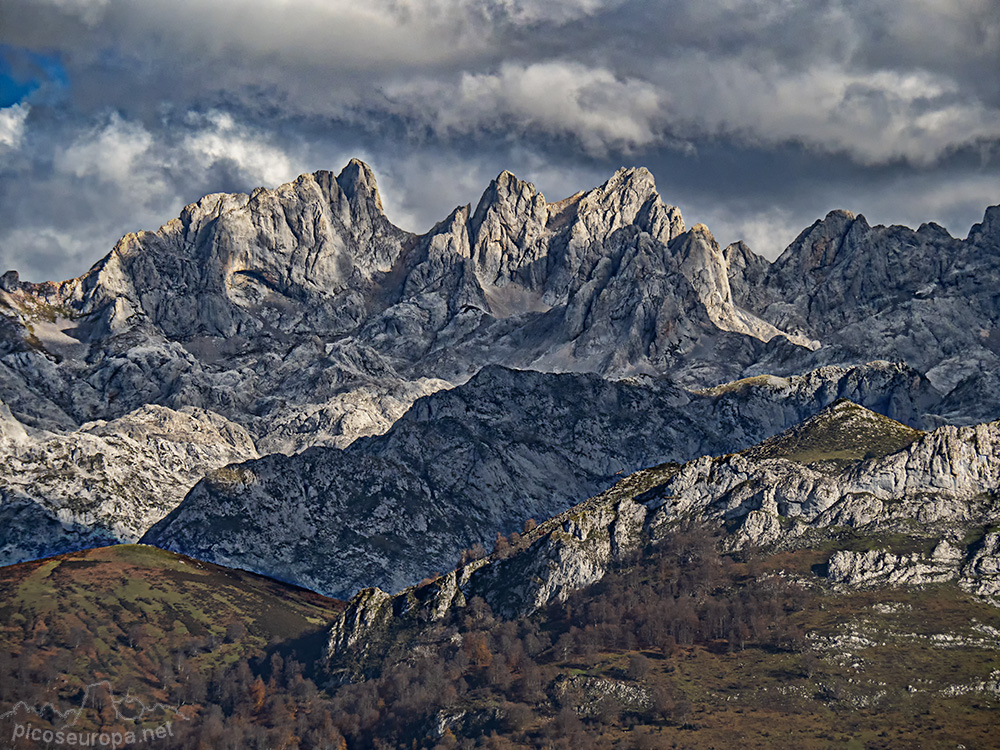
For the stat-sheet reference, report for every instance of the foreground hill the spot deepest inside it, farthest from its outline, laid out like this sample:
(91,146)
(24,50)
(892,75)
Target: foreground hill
(131,637)
(151,602)
(681,646)
(678,643)
(838,583)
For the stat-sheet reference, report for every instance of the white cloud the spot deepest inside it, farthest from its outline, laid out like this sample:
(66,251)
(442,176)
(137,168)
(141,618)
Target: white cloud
(879,80)
(601,110)
(12,125)
(127,155)
(221,138)
(109,152)
(875,117)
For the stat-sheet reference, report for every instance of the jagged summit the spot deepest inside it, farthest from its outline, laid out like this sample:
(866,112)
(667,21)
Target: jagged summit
(358,182)
(823,243)
(988,230)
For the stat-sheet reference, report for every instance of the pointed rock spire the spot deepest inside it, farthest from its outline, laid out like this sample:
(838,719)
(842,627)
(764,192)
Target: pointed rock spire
(358,183)
(988,230)
(505,229)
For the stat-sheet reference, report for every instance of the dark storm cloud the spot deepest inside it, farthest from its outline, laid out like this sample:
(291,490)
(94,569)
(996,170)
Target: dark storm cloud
(756,117)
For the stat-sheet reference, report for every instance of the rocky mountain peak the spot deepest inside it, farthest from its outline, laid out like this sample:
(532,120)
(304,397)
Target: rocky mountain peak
(517,237)
(704,264)
(506,231)
(987,232)
(934,231)
(226,257)
(358,183)
(451,236)
(746,271)
(629,197)
(838,217)
(639,179)
(818,246)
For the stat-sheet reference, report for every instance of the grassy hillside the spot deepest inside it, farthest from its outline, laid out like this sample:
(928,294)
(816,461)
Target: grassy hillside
(681,648)
(840,434)
(149,622)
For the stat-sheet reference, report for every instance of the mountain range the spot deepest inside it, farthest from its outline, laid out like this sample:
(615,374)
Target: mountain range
(287,382)
(579,477)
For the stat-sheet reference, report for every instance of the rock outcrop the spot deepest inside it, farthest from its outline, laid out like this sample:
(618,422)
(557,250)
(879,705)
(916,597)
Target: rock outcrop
(879,567)
(981,572)
(105,482)
(945,478)
(554,559)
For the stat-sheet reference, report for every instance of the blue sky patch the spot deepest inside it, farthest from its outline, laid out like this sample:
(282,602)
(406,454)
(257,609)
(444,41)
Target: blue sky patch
(23,72)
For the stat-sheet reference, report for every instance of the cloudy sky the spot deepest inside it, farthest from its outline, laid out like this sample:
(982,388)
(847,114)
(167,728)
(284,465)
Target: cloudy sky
(755,116)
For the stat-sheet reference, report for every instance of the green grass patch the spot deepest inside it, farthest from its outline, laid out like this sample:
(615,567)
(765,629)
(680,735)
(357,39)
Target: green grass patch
(838,436)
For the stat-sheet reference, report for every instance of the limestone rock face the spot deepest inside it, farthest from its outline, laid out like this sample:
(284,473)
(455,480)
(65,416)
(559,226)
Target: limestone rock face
(318,239)
(560,556)
(705,266)
(746,271)
(106,481)
(368,613)
(880,568)
(981,572)
(508,226)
